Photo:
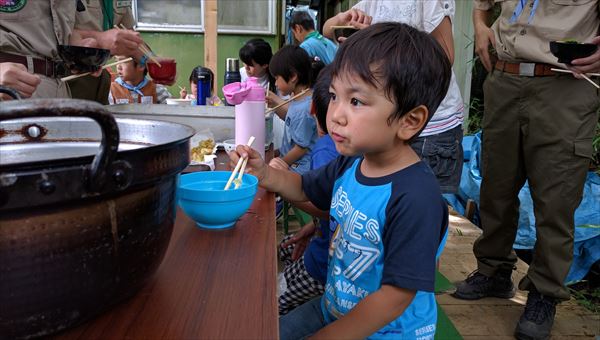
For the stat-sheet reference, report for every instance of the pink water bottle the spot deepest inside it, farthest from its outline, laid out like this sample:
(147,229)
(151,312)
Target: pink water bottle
(249,100)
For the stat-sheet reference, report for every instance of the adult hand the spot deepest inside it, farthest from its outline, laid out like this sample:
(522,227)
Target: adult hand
(121,42)
(279,163)
(300,240)
(484,36)
(16,76)
(588,64)
(356,17)
(255,166)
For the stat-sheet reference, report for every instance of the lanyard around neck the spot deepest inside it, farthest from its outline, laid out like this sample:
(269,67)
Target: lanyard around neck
(519,10)
(108,14)
(314,34)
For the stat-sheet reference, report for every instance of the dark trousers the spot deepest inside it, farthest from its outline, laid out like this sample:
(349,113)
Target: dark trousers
(444,154)
(538,129)
(91,88)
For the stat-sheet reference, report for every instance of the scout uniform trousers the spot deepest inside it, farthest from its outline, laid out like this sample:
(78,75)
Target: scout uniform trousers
(538,129)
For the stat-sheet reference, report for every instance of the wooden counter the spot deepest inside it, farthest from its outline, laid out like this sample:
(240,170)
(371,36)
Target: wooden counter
(211,284)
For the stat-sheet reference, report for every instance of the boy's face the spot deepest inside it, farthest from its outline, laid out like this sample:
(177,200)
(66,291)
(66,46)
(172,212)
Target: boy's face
(284,87)
(129,71)
(194,89)
(313,113)
(256,70)
(357,117)
(298,33)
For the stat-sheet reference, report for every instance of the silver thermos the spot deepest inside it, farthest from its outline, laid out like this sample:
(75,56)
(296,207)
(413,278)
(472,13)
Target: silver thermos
(232,73)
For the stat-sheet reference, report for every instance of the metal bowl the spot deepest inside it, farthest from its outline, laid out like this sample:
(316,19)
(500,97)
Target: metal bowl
(87,207)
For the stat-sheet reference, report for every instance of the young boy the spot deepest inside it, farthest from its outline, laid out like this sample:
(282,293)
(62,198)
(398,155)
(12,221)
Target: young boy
(132,86)
(388,79)
(304,254)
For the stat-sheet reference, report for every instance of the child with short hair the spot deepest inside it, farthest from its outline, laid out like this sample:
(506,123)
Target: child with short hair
(256,55)
(304,254)
(132,86)
(193,79)
(292,69)
(388,79)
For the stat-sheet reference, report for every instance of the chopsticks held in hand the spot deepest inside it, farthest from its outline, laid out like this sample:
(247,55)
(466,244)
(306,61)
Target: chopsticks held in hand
(585,76)
(287,101)
(75,76)
(143,48)
(240,166)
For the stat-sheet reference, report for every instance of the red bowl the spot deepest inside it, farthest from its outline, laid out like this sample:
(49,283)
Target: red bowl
(164,74)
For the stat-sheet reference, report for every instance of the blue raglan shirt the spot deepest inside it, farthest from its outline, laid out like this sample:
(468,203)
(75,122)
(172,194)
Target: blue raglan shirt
(315,255)
(390,229)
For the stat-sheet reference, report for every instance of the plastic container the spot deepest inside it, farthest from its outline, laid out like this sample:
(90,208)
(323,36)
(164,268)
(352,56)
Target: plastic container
(204,82)
(249,100)
(232,73)
(203,198)
(166,74)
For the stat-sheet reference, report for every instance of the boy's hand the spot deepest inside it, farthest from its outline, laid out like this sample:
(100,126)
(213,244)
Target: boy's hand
(300,240)
(273,99)
(255,166)
(183,93)
(279,163)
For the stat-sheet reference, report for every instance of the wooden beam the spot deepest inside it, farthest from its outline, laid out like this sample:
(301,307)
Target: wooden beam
(210,38)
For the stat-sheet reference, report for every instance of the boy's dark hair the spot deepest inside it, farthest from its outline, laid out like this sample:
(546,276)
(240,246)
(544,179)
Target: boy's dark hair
(197,70)
(303,19)
(321,96)
(293,59)
(259,51)
(408,64)
(136,64)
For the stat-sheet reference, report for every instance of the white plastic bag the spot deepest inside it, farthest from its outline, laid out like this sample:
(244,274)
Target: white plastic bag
(204,137)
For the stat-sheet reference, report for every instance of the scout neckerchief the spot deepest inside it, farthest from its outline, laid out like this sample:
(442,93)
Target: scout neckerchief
(519,9)
(108,14)
(137,89)
(316,35)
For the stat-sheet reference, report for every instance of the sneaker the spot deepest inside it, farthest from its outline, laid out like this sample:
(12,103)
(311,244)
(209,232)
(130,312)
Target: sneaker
(537,319)
(477,286)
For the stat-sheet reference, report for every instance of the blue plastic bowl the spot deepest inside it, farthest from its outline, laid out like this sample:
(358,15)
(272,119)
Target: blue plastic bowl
(203,198)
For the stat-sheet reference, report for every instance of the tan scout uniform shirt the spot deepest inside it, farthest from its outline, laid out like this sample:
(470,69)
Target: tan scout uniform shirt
(553,20)
(35,30)
(92,18)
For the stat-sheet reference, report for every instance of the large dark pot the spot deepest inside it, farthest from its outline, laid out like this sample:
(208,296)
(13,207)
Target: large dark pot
(85,217)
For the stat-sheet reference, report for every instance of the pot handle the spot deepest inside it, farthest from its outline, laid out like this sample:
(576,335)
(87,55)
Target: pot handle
(109,144)
(10,91)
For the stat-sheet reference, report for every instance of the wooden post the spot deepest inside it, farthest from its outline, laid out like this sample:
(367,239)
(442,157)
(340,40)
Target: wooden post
(210,38)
